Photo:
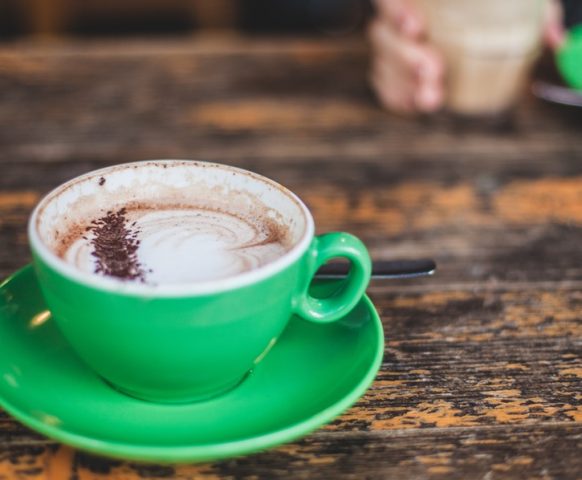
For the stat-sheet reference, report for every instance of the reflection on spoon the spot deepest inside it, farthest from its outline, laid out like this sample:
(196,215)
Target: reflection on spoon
(383,269)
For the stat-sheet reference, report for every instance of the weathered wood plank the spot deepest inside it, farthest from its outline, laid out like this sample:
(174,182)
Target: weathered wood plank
(525,230)
(542,452)
(240,106)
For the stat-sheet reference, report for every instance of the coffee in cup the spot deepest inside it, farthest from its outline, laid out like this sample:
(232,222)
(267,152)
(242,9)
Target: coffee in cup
(165,244)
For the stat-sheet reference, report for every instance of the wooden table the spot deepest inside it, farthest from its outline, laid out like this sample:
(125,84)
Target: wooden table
(482,370)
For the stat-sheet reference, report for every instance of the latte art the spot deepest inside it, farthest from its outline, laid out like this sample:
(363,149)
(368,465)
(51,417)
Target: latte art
(175,245)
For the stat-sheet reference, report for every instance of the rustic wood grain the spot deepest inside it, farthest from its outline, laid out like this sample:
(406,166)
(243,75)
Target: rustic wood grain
(491,453)
(482,373)
(519,231)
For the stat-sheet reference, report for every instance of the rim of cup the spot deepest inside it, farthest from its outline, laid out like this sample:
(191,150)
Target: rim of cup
(197,288)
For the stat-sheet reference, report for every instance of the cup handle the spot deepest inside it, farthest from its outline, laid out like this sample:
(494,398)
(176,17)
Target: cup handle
(322,249)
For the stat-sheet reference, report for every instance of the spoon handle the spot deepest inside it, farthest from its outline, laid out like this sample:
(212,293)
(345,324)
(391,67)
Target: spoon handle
(383,269)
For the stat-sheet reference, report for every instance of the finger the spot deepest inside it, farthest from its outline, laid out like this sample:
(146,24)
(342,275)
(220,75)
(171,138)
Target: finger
(391,94)
(403,15)
(406,69)
(429,97)
(414,56)
(394,90)
(397,104)
(404,92)
(554,33)
(430,91)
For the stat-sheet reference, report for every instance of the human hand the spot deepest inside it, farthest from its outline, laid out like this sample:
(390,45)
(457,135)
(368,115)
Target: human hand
(406,71)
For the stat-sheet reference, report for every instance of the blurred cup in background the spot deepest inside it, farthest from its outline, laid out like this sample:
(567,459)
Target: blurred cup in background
(489,48)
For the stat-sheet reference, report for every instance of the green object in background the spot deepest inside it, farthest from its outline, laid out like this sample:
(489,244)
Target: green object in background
(569,58)
(313,373)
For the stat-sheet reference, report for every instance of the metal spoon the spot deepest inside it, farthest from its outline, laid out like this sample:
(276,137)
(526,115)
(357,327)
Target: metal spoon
(383,269)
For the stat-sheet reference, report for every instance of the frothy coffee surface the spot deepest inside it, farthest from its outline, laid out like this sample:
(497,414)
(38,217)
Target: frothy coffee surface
(167,245)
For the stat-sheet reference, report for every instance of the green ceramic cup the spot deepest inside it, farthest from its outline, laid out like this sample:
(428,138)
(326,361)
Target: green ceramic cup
(185,342)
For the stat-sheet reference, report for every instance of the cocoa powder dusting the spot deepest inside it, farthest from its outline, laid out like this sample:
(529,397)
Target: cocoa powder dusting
(115,246)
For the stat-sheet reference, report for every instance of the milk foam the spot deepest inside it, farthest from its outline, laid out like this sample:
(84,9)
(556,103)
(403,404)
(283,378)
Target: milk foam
(178,246)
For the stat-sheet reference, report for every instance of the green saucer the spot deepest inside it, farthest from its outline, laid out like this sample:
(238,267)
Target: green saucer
(313,374)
